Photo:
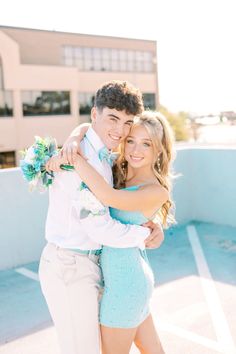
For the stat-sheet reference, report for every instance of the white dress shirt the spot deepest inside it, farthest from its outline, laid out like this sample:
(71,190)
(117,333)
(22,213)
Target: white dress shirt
(64,227)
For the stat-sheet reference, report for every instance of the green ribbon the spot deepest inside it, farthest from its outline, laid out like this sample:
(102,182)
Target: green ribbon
(67,167)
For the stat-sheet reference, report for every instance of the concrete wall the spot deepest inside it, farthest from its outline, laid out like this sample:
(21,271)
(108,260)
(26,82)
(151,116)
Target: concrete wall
(22,219)
(214,185)
(205,191)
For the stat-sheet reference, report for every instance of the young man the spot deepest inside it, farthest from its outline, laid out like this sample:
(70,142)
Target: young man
(69,272)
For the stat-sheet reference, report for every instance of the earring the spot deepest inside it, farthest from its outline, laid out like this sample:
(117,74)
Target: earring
(123,166)
(158,165)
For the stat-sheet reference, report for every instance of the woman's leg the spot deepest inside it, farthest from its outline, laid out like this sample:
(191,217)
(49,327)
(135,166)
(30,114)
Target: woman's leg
(117,340)
(146,338)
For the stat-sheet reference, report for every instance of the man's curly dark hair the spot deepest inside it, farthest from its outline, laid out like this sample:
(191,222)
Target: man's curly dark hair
(120,95)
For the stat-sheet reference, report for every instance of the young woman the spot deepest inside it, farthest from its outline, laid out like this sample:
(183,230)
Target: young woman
(142,193)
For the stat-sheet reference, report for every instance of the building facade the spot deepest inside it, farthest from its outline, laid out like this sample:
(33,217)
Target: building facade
(48,80)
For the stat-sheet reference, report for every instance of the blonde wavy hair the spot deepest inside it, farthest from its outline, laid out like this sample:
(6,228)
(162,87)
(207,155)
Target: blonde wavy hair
(162,139)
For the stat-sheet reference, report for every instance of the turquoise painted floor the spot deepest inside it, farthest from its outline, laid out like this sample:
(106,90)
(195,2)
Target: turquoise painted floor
(193,304)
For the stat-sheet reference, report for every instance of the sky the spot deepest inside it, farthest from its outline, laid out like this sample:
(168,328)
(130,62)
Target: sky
(196,40)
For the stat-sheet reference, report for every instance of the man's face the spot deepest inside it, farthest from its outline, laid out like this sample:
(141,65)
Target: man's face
(112,126)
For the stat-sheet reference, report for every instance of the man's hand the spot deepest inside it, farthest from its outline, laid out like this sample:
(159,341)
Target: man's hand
(155,239)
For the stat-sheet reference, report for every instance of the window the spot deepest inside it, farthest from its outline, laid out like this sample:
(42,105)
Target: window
(130,60)
(123,60)
(6,104)
(108,59)
(86,102)
(148,60)
(1,75)
(115,60)
(139,61)
(38,103)
(78,52)
(78,58)
(68,56)
(7,159)
(69,61)
(97,59)
(149,100)
(88,59)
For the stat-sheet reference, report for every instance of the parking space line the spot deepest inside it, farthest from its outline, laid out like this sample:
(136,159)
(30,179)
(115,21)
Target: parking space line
(219,321)
(27,273)
(185,334)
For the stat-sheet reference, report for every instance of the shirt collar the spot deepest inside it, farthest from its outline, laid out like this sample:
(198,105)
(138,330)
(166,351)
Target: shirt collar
(94,139)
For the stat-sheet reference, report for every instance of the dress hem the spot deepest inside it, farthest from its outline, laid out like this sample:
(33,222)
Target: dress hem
(125,327)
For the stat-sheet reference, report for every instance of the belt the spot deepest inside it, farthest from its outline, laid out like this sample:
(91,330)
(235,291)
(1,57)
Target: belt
(86,252)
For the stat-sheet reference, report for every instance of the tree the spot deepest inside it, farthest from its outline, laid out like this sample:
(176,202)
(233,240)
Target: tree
(178,122)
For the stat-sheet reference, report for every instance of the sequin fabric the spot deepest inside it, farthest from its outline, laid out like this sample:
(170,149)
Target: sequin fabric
(128,279)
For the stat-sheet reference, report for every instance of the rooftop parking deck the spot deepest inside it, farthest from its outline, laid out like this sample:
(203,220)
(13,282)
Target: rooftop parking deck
(193,303)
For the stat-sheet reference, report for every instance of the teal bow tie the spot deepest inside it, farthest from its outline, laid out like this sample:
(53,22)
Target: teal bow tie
(105,155)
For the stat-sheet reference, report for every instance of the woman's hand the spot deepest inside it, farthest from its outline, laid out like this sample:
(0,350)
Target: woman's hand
(70,150)
(54,163)
(71,147)
(77,162)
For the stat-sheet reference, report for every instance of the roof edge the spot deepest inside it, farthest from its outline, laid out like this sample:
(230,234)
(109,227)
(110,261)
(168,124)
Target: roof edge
(74,33)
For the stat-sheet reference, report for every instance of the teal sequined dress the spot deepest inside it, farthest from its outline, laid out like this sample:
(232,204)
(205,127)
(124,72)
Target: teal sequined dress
(128,279)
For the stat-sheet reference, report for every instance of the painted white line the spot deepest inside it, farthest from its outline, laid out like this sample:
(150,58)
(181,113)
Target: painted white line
(219,321)
(195,338)
(27,273)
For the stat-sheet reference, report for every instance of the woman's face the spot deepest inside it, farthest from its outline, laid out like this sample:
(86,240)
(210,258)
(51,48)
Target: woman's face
(139,150)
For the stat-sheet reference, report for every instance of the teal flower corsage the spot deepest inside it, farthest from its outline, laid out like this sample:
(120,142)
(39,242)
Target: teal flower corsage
(34,160)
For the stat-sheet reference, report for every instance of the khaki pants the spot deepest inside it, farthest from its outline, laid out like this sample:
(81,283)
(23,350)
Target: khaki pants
(70,283)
